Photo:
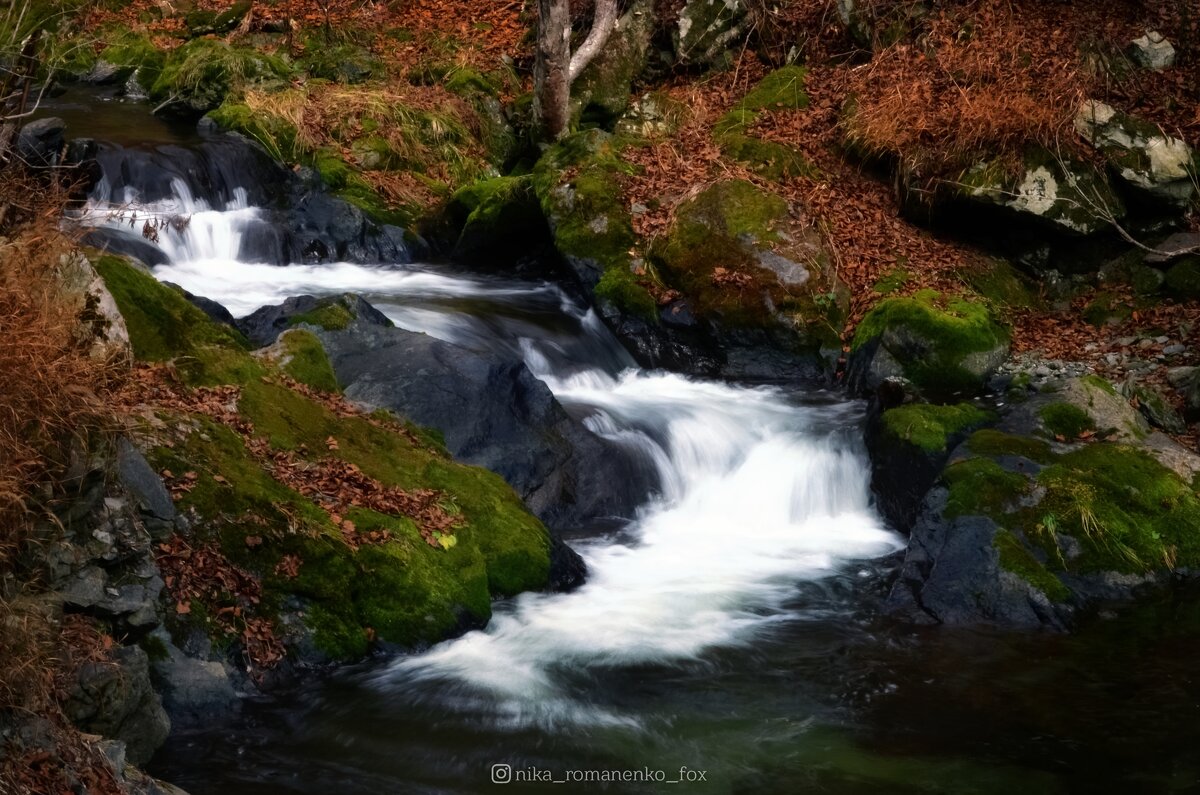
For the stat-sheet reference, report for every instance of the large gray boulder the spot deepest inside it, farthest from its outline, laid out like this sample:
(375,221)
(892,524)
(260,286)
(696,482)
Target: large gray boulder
(115,699)
(490,410)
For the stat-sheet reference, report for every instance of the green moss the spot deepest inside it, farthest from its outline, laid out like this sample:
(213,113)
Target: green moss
(164,326)
(464,80)
(1130,513)
(999,283)
(892,281)
(951,329)
(980,486)
(331,315)
(135,53)
(305,360)
(342,63)
(275,134)
(155,648)
(992,443)
(1096,382)
(200,73)
(1183,278)
(619,287)
(576,182)
(1066,420)
(403,590)
(1015,558)
(1105,309)
(769,159)
(201,23)
(930,427)
(782,89)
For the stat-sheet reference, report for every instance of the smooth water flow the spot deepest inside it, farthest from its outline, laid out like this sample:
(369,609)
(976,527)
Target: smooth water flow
(758,490)
(731,628)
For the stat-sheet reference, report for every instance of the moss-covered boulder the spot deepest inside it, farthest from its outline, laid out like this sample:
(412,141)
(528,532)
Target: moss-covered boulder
(783,89)
(1068,502)
(1053,192)
(909,445)
(201,22)
(1183,278)
(196,77)
(945,345)
(1160,168)
(495,222)
(277,474)
(577,182)
(735,253)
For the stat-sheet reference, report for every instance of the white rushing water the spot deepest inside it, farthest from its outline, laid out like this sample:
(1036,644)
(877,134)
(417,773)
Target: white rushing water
(759,492)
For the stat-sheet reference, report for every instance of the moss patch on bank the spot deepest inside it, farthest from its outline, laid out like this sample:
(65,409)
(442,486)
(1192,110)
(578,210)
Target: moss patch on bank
(399,589)
(782,89)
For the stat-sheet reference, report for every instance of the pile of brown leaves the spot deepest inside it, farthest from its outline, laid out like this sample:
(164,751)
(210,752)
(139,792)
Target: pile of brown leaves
(338,486)
(203,575)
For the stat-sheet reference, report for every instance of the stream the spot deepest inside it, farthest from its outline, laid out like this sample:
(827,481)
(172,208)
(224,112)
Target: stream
(728,639)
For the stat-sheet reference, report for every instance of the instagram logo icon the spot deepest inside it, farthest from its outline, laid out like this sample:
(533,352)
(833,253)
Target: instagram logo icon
(501,773)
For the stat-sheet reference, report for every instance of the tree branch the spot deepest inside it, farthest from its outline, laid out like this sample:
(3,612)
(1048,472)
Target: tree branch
(603,21)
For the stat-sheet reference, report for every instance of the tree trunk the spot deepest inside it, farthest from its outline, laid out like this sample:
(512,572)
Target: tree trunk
(555,68)
(551,72)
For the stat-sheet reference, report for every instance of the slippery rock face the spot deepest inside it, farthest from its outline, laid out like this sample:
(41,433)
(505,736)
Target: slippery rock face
(1159,166)
(1068,502)
(492,412)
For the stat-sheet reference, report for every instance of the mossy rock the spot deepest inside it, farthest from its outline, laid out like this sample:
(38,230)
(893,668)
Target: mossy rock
(733,252)
(1056,192)
(498,221)
(164,327)
(602,92)
(704,30)
(1066,421)
(577,182)
(401,590)
(1001,284)
(945,345)
(930,427)
(340,63)
(197,76)
(135,56)
(202,23)
(1183,279)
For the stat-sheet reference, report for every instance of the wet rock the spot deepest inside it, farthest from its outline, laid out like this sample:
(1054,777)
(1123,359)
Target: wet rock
(117,700)
(568,570)
(491,411)
(41,143)
(194,690)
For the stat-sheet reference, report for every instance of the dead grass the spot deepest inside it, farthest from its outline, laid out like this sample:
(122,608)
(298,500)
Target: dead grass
(973,86)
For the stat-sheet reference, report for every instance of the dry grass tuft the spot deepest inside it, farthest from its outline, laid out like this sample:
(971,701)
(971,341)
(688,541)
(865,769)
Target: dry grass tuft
(969,87)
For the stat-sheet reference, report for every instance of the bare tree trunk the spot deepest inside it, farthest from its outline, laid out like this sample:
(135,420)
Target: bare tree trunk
(555,68)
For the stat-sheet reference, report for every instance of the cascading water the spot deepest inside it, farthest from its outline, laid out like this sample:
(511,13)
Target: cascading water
(730,628)
(758,491)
